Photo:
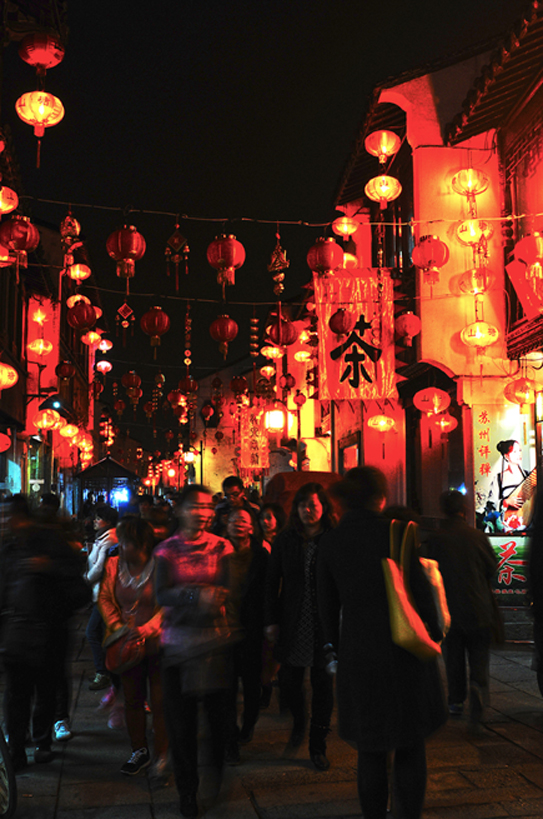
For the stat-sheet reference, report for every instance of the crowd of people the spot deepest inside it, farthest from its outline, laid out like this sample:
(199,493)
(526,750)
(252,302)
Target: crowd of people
(206,598)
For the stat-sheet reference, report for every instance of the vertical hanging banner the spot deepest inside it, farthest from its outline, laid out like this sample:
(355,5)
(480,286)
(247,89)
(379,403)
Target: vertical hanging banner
(359,365)
(254,450)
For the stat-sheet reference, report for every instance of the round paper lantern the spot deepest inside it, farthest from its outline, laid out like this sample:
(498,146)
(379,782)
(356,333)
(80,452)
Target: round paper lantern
(479,335)
(407,327)
(155,322)
(383,189)
(5,442)
(40,347)
(381,423)
(65,370)
(274,353)
(130,379)
(303,356)
(41,50)
(39,109)
(71,301)
(282,332)
(91,338)
(445,422)
(268,371)
(105,345)
(103,366)
(239,385)
(382,144)
(521,391)
(126,246)
(69,431)
(345,226)
(81,316)
(225,254)
(224,330)
(207,412)
(470,182)
(119,406)
(188,385)
(21,236)
(430,253)
(8,200)
(432,400)
(325,256)
(476,281)
(8,376)
(175,397)
(46,419)
(473,232)
(78,272)
(341,322)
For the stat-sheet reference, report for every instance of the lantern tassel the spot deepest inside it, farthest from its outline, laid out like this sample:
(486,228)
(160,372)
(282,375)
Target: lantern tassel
(38,154)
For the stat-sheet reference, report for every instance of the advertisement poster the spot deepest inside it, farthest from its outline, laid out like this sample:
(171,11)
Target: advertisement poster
(510,581)
(504,460)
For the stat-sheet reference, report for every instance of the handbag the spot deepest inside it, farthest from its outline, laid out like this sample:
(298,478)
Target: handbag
(407,628)
(125,648)
(431,570)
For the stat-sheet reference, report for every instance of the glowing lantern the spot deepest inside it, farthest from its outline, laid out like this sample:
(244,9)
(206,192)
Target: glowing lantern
(430,253)
(81,316)
(21,236)
(40,347)
(65,370)
(381,423)
(91,338)
(341,322)
(207,412)
(268,371)
(445,423)
(432,400)
(103,366)
(75,299)
(302,356)
(521,391)
(47,419)
(42,51)
(382,144)
(41,110)
(8,200)
(148,409)
(176,397)
(282,332)
(274,353)
(274,418)
(126,246)
(407,327)
(5,442)
(470,182)
(224,330)
(105,345)
(225,254)
(8,377)
(479,335)
(325,256)
(78,272)
(155,322)
(344,226)
(69,431)
(476,281)
(474,232)
(350,261)
(383,189)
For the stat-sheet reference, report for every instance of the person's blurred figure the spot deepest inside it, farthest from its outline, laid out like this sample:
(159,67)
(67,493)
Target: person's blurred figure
(388,699)
(145,505)
(190,579)
(234,498)
(467,563)
(272,520)
(245,611)
(292,621)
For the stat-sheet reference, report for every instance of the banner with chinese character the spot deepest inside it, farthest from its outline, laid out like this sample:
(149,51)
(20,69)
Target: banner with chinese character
(504,468)
(510,583)
(359,365)
(254,450)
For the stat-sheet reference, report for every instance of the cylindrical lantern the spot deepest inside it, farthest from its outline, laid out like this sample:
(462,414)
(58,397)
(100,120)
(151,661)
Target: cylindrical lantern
(225,254)
(432,400)
(407,327)
(325,256)
(382,144)
(224,330)
(383,189)
(479,335)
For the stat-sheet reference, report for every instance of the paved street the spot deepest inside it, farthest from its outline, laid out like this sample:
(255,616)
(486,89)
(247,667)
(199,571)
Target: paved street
(497,774)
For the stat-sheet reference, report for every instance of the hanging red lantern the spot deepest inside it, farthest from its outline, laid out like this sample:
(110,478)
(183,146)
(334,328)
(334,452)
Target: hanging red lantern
(219,435)
(97,389)
(119,406)
(46,419)
(381,423)
(224,330)
(130,379)
(81,316)
(431,400)
(42,51)
(239,385)
(65,370)
(287,382)
(8,200)
(103,366)
(148,409)
(155,322)
(382,144)
(226,255)
(207,412)
(407,326)
(479,335)
(8,377)
(282,332)
(383,189)
(5,442)
(41,110)
(175,397)
(19,235)
(445,423)
(188,385)
(40,347)
(325,256)
(78,272)
(126,246)
(341,322)
(430,253)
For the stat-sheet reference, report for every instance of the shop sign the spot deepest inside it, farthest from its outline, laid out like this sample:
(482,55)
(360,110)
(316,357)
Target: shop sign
(509,584)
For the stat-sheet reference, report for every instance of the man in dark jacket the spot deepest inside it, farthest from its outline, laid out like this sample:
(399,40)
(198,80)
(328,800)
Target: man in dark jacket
(467,562)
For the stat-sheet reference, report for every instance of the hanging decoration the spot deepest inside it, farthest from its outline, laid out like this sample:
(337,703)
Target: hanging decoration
(224,330)
(432,400)
(41,110)
(81,316)
(125,318)
(119,406)
(274,418)
(42,51)
(254,448)
(479,335)
(225,254)
(40,347)
(187,361)
(341,323)
(8,200)
(278,263)
(470,182)
(20,236)
(382,144)
(407,327)
(253,337)
(69,237)
(383,189)
(430,254)
(155,322)
(381,423)
(103,366)
(522,391)
(177,248)
(8,377)
(5,442)
(132,384)
(47,419)
(476,281)
(361,367)
(445,423)
(281,331)
(325,256)
(345,226)
(126,246)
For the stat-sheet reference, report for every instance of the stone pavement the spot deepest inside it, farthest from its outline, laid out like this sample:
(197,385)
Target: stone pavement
(496,774)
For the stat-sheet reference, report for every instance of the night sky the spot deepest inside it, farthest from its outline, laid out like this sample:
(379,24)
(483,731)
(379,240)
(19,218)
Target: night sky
(239,113)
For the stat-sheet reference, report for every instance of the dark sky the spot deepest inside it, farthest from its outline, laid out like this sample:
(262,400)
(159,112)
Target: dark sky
(219,110)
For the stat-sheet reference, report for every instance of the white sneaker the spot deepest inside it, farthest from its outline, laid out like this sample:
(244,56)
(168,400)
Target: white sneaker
(61,730)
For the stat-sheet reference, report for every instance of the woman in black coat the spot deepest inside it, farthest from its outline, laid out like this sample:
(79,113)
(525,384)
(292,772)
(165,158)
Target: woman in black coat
(388,700)
(291,618)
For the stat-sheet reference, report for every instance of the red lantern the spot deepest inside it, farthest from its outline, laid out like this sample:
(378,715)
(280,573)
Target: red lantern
(148,409)
(130,379)
(341,322)
(207,412)
(431,400)
(188,385)
(97,389)
(325,256)
(155,322)
(282,332)
(126,246)
(239,385)
(21,236)
(5,442)
(81,316)
(408,326)
(219,435)
(65,370)
(175,397)
(119,406)
(287,382)
(226,255)
(41,50)
(224,330)
(8,377)
(430,254)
